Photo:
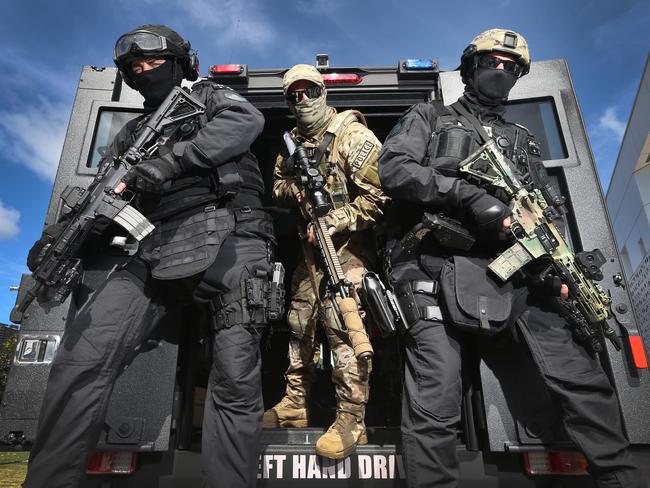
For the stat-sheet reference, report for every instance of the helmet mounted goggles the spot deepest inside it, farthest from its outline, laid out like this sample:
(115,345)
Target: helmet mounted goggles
(144,43)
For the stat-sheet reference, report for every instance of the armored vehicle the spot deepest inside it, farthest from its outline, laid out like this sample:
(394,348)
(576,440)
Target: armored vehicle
(510,435)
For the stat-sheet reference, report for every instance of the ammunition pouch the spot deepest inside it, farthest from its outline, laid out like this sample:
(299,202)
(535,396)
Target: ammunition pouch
(254,303)
(474,301)
(185,245)
(418,301)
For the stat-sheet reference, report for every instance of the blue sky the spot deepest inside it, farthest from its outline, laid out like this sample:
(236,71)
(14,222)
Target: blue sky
(44,44)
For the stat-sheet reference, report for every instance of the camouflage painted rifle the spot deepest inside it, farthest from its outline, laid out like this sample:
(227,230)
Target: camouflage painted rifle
(537,237)
(316,205)
(61,266)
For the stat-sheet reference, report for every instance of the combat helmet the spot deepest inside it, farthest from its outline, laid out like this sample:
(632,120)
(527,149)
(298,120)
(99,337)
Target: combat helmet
(495,40)
(154,40)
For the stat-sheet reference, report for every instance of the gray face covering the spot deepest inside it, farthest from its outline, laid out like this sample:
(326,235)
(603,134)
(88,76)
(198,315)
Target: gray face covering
(311,115)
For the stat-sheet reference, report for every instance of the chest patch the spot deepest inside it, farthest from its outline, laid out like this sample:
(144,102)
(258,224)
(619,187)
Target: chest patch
(363,155)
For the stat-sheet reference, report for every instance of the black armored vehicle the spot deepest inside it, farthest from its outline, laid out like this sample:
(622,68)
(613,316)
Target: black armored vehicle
(510,435)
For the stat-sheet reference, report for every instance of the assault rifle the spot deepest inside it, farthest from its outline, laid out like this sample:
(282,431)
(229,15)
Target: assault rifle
(316,206)
(61,266)
(536,237)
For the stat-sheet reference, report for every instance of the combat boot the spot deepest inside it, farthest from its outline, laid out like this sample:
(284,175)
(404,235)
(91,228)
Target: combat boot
(289,412)
(342,438)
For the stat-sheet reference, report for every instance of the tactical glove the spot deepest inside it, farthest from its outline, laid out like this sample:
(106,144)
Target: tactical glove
(151,175)
(489,213)
(547,284)
(40,247)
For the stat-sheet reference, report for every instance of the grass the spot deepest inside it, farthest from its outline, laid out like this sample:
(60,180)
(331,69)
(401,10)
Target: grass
(13,466)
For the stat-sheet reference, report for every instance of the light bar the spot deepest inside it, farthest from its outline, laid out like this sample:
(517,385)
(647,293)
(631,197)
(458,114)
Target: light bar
(638,352)
(226,69)
(416,64)
(564,463)
(340,78)
(112,462)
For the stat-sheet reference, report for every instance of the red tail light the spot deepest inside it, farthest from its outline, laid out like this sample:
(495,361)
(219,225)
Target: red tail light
(638,352)
(112,462)
(565,463)
(336,78)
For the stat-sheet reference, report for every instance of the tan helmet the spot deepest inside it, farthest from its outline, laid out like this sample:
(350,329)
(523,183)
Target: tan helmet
(301,72)
(500,40)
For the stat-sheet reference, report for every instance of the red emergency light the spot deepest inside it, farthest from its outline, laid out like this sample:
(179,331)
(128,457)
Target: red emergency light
(112,462)
(638,352)
(226,69)
(562,463)
(341,78)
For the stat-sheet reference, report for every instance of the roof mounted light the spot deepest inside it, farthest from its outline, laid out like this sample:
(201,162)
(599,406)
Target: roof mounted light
(418,64)
(342,78)
(228,70)
(638,352)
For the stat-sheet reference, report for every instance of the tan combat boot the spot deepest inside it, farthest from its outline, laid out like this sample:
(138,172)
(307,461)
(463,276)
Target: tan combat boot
(289,412)
(342,437)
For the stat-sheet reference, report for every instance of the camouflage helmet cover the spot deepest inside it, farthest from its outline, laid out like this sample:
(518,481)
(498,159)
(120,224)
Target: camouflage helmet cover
(301,72)
(499,40)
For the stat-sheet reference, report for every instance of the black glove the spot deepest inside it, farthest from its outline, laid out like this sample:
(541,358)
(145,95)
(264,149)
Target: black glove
(546,284)
(40,247)
(489,213)
(150,175)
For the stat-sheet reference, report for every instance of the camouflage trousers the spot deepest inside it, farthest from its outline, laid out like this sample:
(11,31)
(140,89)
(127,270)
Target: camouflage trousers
(350,377)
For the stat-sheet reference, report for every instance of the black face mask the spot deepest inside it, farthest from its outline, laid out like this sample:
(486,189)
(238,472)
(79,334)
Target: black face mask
(492,86)
(155,84)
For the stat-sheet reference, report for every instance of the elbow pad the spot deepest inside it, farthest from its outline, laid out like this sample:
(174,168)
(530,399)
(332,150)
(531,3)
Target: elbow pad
(489,213)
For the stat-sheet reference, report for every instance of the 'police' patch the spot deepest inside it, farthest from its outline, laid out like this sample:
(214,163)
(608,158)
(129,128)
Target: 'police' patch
(363,155)
(234,96)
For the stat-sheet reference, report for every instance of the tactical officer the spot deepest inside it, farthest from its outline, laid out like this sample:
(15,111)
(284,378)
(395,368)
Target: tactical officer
(418,168)
(211,247)
(346,151)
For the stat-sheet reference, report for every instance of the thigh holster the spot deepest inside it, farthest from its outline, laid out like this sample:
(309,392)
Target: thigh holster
(254,303)
(410,295)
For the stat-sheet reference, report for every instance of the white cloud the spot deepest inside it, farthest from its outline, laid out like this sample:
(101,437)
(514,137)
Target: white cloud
(609,121)
(34,135)
(9,218)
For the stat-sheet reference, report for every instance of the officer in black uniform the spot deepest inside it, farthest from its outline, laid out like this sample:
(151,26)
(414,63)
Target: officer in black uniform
(212,246)
(418,168)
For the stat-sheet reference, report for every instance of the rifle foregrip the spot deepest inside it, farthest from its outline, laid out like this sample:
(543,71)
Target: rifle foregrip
(356,330)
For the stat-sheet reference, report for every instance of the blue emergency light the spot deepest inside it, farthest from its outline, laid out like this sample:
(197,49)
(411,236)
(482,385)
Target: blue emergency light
(416,64)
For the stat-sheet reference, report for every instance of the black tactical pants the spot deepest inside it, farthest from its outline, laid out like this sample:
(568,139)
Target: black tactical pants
(102,339)
(431,403)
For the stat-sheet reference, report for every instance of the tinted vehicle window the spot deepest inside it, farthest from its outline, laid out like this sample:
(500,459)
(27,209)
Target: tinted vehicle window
(108,125)
(540,118)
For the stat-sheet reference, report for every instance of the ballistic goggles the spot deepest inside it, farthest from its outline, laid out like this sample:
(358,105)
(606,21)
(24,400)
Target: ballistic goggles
(489,60)
(143,43)
(295,96)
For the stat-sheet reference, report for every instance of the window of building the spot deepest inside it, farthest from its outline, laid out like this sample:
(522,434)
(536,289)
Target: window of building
(627,265)
(108,125)
(540,118)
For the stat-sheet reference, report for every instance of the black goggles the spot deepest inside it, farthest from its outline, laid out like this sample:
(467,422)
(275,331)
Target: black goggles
(140,42)
(295,96)
(492,61)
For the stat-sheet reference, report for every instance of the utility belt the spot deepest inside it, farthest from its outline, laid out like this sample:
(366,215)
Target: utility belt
(254,303)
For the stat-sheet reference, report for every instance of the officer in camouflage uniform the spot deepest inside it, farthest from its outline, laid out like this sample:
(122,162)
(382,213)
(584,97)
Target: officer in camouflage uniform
(211,246)
(418,167)
(349,166)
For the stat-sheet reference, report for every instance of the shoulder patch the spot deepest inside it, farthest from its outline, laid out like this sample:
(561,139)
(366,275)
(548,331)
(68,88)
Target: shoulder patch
(233,95)
(361,157)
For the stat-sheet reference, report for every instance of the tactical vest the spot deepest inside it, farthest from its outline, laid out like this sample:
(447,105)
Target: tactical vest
(331,164)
